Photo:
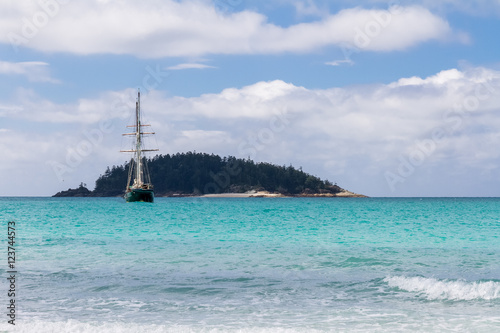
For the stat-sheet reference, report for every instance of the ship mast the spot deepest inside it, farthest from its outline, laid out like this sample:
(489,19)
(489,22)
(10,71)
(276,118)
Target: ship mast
(138,161)
(138,133)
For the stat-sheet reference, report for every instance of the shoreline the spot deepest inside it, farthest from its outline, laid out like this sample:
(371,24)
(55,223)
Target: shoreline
(248,194)
(266,194)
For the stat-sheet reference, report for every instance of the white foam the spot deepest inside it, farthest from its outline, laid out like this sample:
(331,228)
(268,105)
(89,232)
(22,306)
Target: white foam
(447,289)
(79,327)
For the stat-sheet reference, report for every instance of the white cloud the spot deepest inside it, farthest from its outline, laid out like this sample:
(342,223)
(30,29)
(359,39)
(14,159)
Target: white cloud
(476,7)
(206,140)
(189,66)
(340,62)
(35,71)
(27,105)
(30,157)
(352,135)
(161,28)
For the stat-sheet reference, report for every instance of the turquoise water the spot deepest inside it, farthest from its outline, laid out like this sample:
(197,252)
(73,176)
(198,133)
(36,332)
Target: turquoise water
(255,265)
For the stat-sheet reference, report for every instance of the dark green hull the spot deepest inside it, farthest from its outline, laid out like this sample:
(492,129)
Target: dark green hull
(140,195)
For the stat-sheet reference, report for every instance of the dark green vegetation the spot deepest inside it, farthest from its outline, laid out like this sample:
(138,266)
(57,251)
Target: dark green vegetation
(198,173)
(81,191)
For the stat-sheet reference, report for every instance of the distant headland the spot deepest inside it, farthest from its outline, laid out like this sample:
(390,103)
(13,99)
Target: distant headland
(199,174)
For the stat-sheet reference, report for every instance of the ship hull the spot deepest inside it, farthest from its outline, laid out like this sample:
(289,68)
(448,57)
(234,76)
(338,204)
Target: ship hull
(140,195)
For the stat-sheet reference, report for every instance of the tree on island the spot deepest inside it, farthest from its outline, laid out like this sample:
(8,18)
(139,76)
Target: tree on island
(81,191)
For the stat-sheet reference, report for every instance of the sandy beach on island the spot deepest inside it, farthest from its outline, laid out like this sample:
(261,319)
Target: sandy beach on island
(266,194)
(249,194)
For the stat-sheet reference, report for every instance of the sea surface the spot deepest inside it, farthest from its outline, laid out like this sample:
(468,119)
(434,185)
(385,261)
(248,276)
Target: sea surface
(254,265)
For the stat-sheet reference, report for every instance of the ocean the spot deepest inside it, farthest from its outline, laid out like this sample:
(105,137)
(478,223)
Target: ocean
(253,265)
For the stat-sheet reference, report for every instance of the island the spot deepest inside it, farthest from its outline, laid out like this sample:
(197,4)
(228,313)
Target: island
(200,174)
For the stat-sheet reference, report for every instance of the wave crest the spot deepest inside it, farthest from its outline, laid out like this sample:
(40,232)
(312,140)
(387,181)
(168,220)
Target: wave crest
(458,290)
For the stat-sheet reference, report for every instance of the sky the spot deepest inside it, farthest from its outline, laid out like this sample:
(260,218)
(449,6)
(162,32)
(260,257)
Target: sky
(384,98)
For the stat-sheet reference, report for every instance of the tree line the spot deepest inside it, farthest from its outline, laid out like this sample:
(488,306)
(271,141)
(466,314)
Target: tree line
(194,173)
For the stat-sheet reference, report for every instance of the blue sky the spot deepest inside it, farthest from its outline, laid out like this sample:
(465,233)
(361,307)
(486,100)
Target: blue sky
(386,98)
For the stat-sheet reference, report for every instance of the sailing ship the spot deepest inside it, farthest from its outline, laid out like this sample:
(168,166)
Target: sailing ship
(141,188)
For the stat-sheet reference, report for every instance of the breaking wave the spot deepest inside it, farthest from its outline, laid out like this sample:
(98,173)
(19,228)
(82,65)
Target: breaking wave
(457,290)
